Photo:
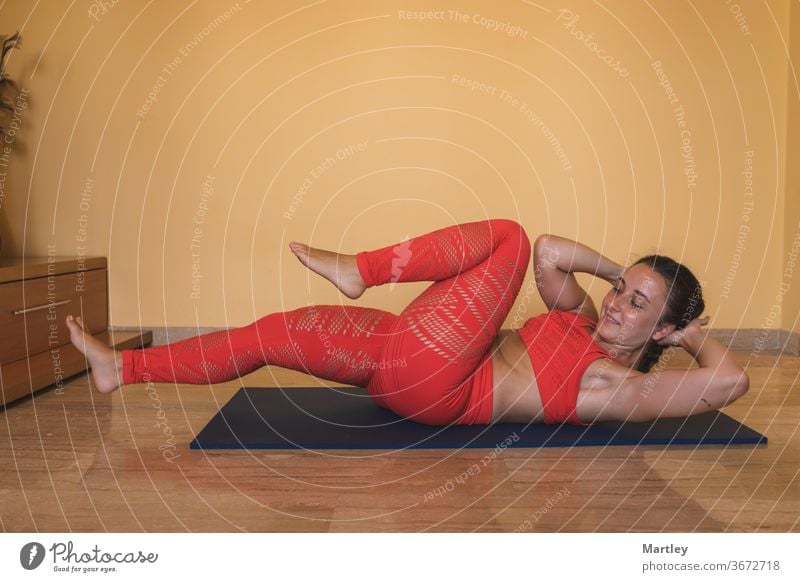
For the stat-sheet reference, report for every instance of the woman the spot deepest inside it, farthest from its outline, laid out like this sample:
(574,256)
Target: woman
(444,358)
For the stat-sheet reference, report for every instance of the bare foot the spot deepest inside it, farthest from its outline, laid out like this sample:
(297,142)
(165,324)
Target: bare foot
(106,364)
(341,270)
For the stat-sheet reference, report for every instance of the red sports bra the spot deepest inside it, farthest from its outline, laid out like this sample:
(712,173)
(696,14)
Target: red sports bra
(560,350)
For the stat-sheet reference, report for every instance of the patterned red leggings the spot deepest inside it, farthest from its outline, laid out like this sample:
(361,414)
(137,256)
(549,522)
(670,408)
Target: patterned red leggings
(432,363)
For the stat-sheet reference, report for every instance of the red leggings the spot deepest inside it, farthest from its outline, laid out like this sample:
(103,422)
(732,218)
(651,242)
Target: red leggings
(431,363)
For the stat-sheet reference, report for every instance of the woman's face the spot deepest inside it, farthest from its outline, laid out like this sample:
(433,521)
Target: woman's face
(630,311)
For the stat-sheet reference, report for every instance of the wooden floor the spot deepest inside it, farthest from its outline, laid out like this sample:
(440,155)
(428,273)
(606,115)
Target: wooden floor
(80,461)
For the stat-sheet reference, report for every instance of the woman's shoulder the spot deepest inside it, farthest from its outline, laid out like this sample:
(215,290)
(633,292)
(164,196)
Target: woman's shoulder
(608,372)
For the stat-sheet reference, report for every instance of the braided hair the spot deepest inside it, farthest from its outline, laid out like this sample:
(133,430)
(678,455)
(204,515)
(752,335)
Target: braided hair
(684,301)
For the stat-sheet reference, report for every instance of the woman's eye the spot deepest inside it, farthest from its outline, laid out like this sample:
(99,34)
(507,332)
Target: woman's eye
(637,305)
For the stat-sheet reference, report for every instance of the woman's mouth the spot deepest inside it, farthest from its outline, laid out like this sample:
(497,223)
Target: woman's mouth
(610,319)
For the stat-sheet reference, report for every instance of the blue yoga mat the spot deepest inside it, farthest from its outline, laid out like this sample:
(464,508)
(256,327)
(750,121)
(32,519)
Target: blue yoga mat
(346,418)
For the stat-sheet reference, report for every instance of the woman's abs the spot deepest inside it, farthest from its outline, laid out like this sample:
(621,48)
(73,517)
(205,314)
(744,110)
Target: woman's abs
(516,394)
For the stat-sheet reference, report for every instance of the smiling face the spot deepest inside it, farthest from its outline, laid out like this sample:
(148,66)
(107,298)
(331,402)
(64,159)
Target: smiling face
(631,311)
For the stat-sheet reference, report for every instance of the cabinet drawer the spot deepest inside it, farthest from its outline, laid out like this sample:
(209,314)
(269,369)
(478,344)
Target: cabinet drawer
(33,311)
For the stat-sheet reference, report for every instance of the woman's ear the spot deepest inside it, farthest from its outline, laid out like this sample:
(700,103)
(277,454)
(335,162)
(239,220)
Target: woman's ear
(663,331)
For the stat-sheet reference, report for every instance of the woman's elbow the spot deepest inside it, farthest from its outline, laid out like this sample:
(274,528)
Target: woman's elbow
(541,244)
(740,384)
(547,250)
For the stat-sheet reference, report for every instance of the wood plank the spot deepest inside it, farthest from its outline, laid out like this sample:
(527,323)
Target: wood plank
(46,301)
(18,268)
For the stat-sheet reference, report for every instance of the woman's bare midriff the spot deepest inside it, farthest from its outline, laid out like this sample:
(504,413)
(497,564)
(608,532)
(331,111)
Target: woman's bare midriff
(516,395)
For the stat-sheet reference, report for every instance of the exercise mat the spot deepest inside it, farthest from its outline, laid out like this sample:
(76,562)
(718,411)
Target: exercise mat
(346,418)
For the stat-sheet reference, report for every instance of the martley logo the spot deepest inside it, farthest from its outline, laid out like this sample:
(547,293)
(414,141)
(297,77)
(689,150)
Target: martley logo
(31,555)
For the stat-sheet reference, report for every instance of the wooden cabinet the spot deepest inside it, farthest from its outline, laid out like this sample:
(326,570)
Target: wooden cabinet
(36,294)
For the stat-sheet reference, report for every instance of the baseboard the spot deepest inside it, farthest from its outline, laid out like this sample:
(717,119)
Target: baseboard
(741,340)
(759,340)
(168,335)
(789,342)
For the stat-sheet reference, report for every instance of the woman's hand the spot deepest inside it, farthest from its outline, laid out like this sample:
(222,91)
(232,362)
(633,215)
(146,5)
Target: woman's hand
(613,272)
(680,336)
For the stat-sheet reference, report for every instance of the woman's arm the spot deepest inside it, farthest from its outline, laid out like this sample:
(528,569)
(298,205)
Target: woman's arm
(555,259)
(666,393)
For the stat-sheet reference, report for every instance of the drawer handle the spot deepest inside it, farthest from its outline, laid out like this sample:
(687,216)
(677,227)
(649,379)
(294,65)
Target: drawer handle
(38,307)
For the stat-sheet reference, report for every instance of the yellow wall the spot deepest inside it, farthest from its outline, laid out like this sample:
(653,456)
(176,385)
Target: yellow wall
(248,107)
(790,278)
